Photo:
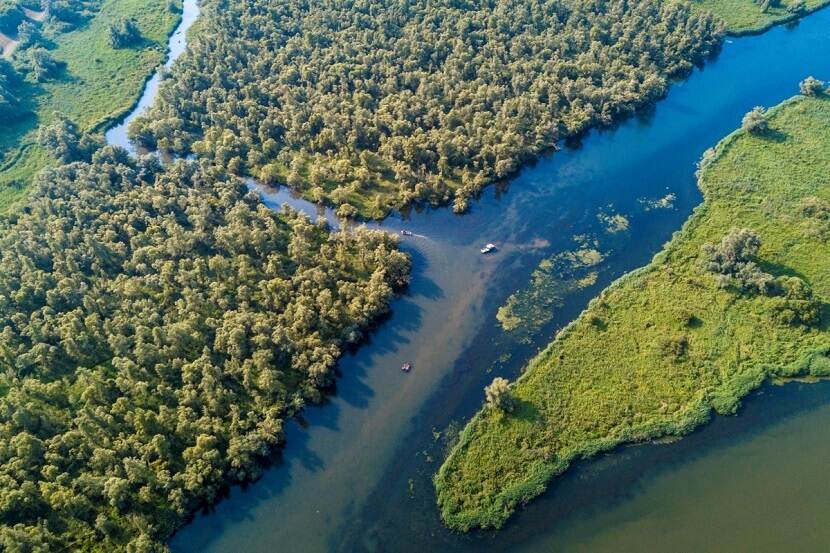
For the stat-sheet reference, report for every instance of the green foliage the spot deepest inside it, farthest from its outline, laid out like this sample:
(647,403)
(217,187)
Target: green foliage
(797,7)
(156,329)
(10,16)
(812,86)
(64,140)
(387,103)
(9,103)
(815,214)
(673,344)
(732,261)
(527,310)
(123,33)
(40,63)
(66,15)
(797,304)
(754,16)
(755,121)
(498,396)
(28,35)
(94,82)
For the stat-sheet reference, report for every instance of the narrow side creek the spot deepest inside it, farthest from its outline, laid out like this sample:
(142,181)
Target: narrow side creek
(176,45)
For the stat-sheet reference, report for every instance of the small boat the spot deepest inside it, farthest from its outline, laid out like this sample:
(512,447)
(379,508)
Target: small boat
(406,367)
(489,248)
(406,233)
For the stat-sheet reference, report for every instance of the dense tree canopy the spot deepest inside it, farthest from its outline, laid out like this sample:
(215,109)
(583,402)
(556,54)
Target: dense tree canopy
(156,328)
(381,103)
(65,141)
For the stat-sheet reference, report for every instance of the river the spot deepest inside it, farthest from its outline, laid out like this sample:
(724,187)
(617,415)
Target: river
(355,473)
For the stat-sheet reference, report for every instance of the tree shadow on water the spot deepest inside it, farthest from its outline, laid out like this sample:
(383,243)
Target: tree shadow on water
(240,503)
(351,388)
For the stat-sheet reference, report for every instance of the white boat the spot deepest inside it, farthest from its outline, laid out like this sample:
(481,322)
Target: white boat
(489,248)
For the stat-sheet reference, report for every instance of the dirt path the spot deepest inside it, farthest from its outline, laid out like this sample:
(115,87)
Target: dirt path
(7,46)
(33,15)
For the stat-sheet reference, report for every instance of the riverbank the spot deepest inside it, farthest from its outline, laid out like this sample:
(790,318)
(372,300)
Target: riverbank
(664,346)
(747,17)
(97,85)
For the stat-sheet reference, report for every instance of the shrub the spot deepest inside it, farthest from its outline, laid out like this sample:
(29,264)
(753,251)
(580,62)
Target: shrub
(346,211)
(797,305)
(755,121)
(731,261)
(812,86)
(124,33)
(65,141)
(40,63)
(674,348)
(28,35)
(499,396)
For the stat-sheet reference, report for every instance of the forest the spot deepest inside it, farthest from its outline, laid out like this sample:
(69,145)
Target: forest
(378,105)
(157,328)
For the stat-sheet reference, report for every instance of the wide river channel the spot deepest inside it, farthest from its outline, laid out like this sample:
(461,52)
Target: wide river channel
(355,474)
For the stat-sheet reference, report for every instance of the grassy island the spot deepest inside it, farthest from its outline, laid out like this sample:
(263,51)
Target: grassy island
(63,61)
(690,334)
(746,17)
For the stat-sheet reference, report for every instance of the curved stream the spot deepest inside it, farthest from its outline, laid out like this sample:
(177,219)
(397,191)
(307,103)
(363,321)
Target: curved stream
(355,474)
(176,45)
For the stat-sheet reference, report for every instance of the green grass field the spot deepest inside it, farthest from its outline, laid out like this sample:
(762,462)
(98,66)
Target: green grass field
(748,17)
(98,84)
(664,347)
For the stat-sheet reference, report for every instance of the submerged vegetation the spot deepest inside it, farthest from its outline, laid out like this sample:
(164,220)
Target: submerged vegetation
(376,105)
(528,310)
(157,326)
(717,312)
(61,61)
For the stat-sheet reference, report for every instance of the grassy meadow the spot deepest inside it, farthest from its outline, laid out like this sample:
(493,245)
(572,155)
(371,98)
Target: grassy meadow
(744,17)
(664,347)
(97,84)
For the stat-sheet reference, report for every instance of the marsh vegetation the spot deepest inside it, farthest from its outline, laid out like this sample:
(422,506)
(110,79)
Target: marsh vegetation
(737,297)
(63,64)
